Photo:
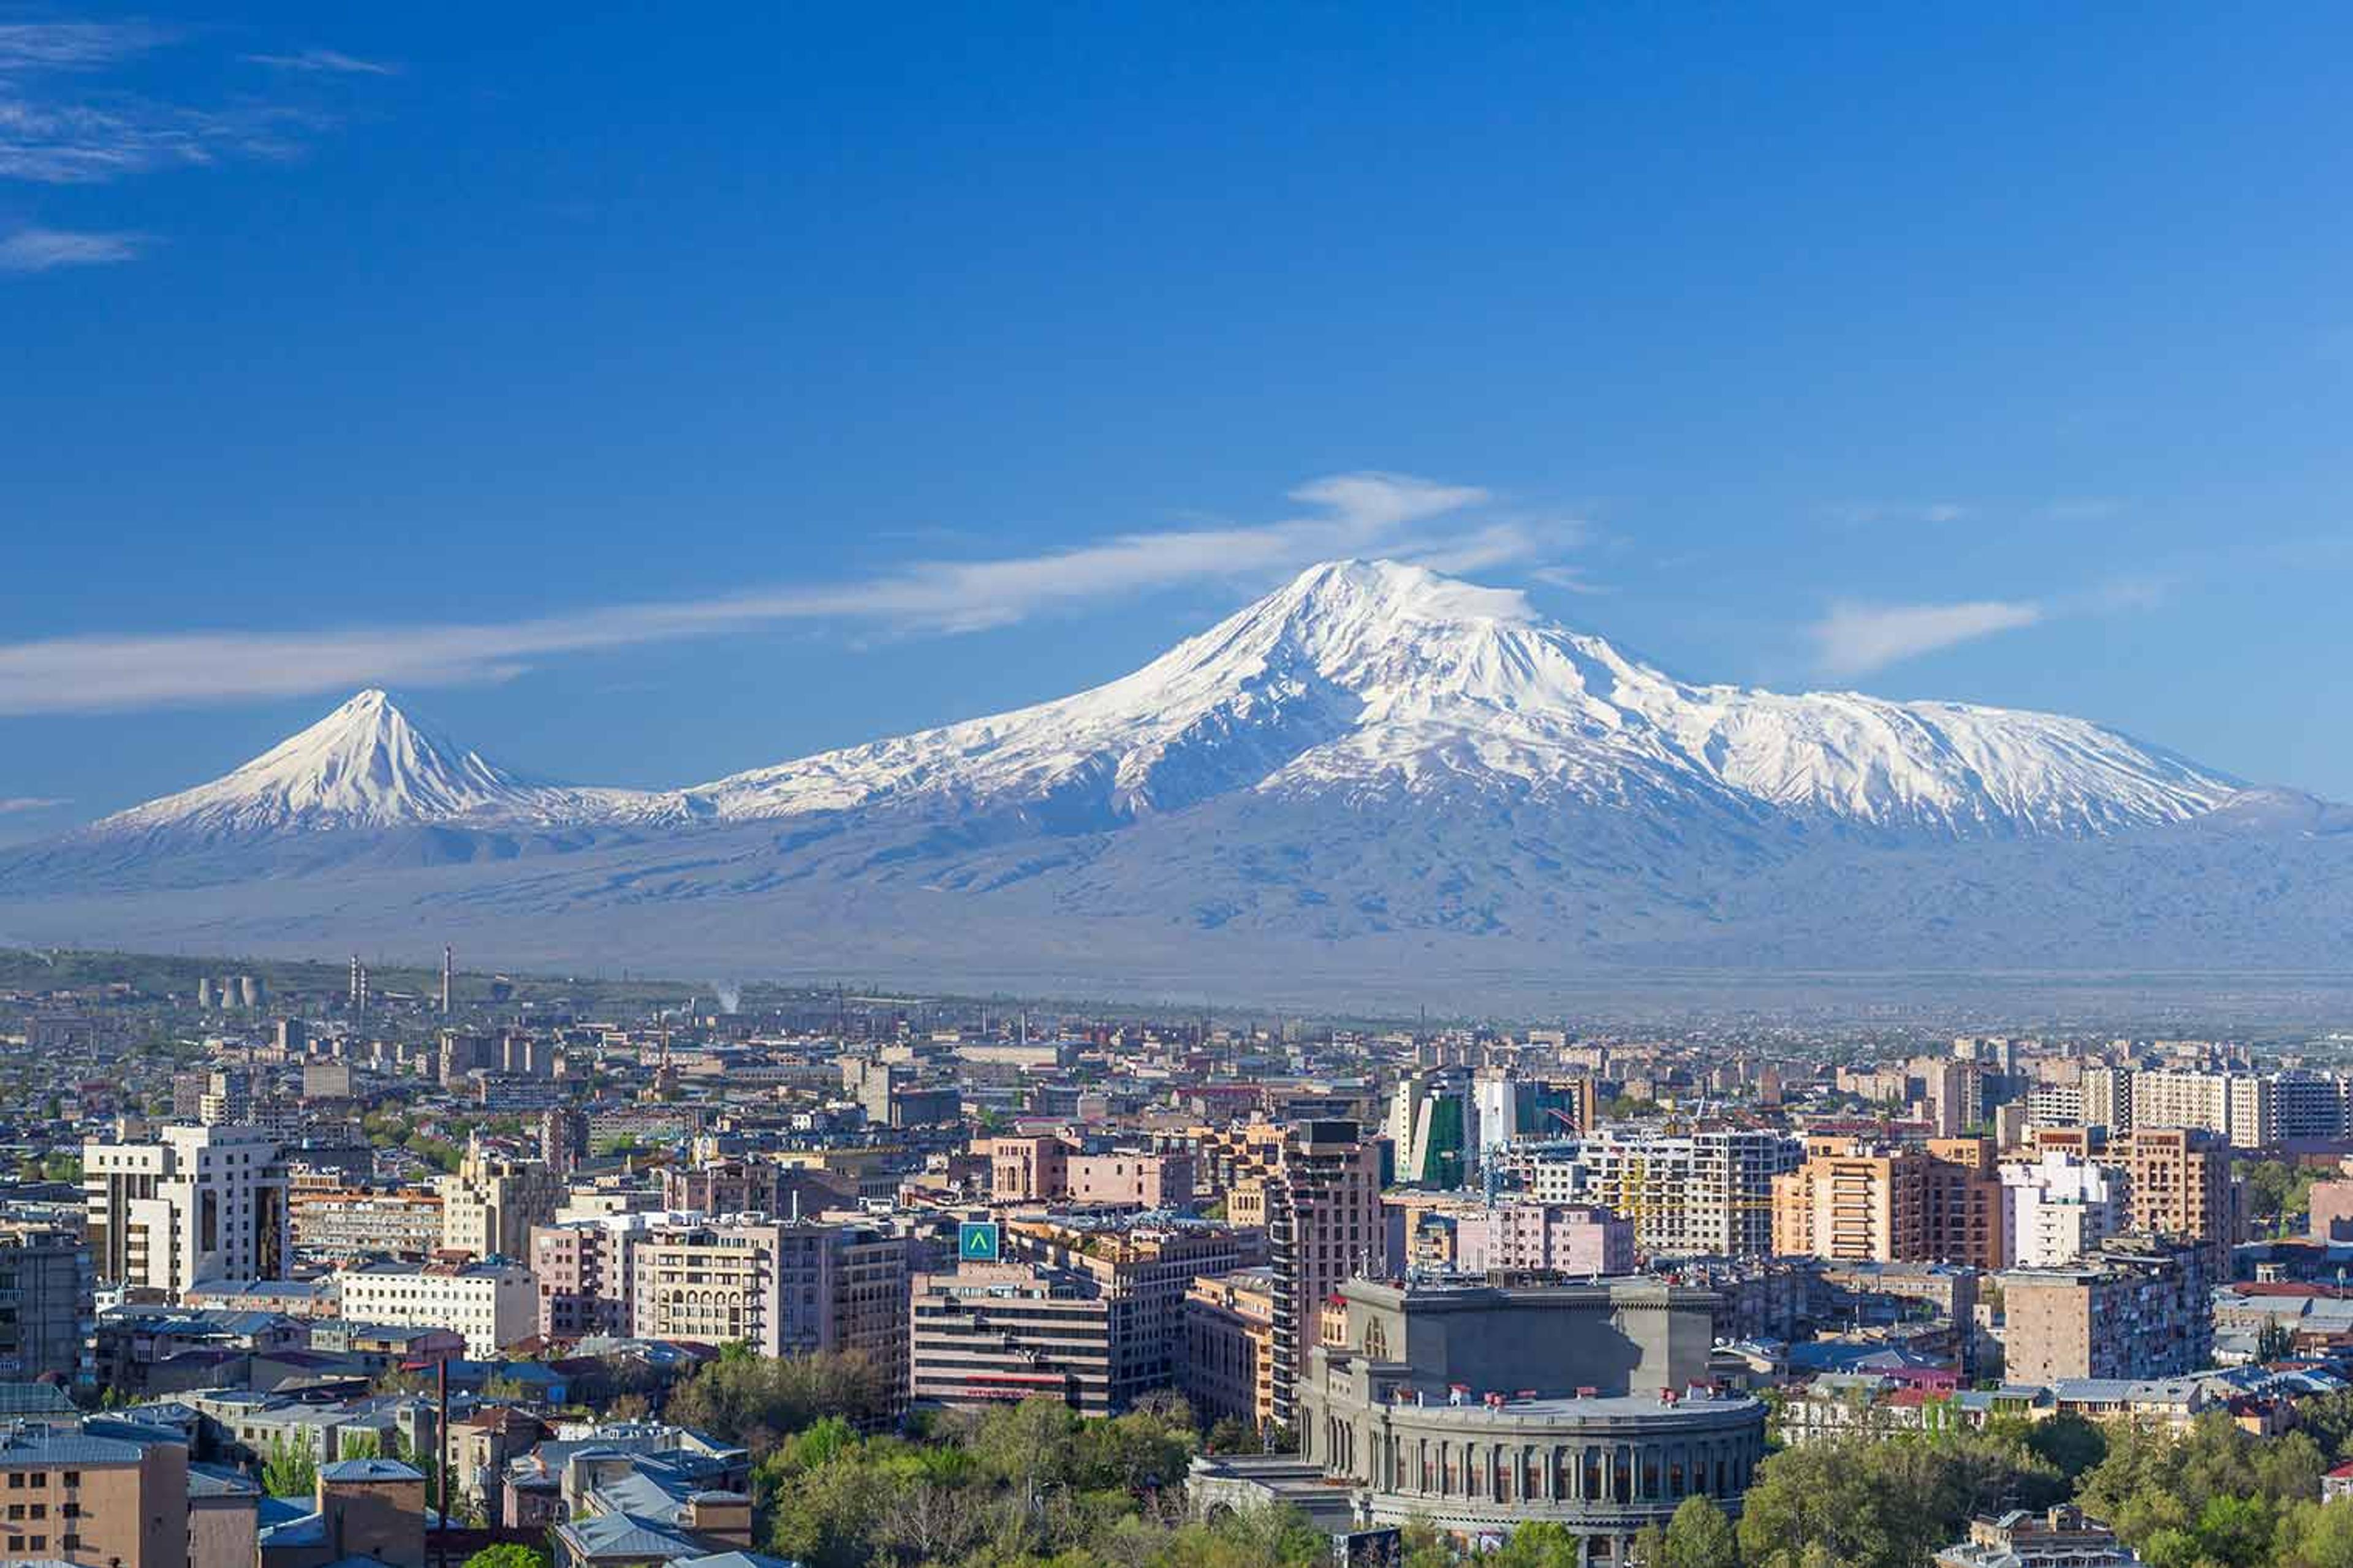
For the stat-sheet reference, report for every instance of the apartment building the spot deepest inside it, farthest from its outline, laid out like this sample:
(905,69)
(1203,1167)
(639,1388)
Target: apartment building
(492,1304)
(1856,1201)
(102,1492)
(1323,1227)
(199,1204)
(1230,1347)
(356,1222)
(2239,1107)
(734,1278)
(1142,1272)
(2059,1206)
(1565,1238)
(1698,1195)
(489,1207)
(1048,1169)
(2179,1184)
(46,1304)
(785,1287)
(2135,1307)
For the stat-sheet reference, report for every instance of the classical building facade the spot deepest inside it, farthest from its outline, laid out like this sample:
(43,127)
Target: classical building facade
(1480,1408)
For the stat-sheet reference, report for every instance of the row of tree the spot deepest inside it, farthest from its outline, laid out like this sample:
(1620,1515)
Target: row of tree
(1034,1485)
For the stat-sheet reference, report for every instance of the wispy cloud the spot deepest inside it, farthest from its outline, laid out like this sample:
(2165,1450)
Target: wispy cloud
(15,804)
(62,123)
(330,62)
(1856,639)
(40,249)
(1396,515)
(1569,578)
(73,45)
(1862,514)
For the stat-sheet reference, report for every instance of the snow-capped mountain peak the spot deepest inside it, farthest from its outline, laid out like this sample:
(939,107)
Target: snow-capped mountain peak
(1372,678)
(368,765)
(1357,681)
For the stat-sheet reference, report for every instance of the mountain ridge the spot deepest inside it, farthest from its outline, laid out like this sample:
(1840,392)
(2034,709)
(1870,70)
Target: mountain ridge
(1356,680)
(1373,779)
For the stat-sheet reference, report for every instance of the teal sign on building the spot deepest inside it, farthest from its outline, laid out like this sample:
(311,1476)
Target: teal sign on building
(977,1241)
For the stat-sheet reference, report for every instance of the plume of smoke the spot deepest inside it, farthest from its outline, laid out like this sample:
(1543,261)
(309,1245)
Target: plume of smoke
(729,995)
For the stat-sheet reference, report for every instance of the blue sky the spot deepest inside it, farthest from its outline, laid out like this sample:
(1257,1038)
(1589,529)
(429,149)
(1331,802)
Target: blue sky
(646,397)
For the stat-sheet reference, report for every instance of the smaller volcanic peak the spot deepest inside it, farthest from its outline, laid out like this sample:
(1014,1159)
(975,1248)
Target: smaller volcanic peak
(367,765)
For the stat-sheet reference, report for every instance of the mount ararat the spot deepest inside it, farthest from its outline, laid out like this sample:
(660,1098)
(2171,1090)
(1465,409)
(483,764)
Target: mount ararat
(1375,785)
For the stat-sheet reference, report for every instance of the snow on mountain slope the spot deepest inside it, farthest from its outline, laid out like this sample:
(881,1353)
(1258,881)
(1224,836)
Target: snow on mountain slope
(364,766)
(1358,683)
(1372,680)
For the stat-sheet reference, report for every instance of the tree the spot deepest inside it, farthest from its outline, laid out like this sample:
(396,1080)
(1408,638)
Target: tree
(290,1471)
(1232,1436)
(507,1554)
(757,1401)
(1885,1503)
(830,1517)
(2313,1535)
(1544,1544)
(2071,1443)
(1699,1536)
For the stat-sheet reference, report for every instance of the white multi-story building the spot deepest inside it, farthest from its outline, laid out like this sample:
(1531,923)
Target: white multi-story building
(736,1277)
(200,1206)
(2242,1107)
(1694,1194)
(492,1304)
(2060,1207)
(2056,1105)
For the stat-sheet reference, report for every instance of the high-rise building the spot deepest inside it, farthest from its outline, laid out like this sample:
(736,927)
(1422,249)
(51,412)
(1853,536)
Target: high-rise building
(563,1138)
(227,1099)
(2312,1105)
(45,1316)
(2179,1184)
(489,1207)
(1323,1227)
(1433,1127)
(1142,1271)
(2107,1099)
(1855,1201)
(1698,1195)
(203,1203)
(2135,1307)
(2242,1106)
(2059,1207)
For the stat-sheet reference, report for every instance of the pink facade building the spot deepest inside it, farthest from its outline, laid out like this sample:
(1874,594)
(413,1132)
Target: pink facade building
(1569,1238)
(1049,1170)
